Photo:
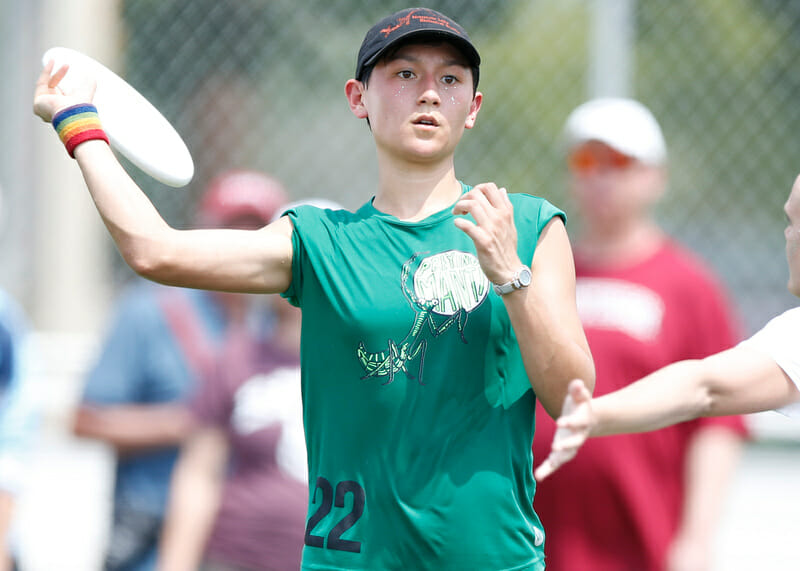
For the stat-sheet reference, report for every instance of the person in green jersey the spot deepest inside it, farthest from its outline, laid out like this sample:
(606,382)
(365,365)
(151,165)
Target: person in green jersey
(434,317)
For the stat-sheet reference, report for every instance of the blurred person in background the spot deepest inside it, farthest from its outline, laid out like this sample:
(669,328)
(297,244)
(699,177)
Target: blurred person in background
(161,342)
(239,490)
(18,418)
(646,502)
(761,373)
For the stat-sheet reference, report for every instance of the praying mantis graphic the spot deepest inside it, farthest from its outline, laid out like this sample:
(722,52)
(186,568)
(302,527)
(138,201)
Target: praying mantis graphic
(397,357)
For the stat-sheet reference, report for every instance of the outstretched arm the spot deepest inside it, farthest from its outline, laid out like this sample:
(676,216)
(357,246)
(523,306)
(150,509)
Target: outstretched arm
(737,381)
(740,380)
(132,428)
(233,260)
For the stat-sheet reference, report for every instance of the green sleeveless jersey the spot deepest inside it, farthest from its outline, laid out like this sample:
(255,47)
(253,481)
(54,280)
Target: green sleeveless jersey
(418,413)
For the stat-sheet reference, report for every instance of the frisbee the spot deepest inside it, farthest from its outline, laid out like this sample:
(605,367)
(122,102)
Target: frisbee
(135,128)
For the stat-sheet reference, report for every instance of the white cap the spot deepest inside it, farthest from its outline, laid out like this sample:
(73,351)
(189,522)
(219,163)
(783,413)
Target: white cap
(623,124)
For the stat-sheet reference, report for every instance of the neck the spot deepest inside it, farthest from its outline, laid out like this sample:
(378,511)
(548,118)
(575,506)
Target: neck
(622,245)
(412,191)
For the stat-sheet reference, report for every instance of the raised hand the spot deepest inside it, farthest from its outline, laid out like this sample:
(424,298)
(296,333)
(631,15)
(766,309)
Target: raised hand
(50,97)
(573,428)
(493,232)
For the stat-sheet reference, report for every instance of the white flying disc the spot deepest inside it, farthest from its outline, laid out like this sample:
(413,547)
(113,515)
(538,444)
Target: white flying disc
(134,126)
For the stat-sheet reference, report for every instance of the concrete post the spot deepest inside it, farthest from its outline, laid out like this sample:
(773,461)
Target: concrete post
(71,250)
(611,48)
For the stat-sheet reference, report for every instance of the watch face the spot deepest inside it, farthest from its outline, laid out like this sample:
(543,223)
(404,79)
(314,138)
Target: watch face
(525,276)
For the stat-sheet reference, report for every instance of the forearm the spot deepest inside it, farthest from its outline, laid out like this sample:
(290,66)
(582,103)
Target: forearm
(194,501)
(214,259)
(194,498)
(133,222)
(670,395)
(735,381)
(134,428)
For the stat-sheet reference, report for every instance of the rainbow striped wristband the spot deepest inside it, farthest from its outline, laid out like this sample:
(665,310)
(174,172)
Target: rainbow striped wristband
(78,124)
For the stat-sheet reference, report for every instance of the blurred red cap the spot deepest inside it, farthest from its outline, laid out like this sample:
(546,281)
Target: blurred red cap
(241,197)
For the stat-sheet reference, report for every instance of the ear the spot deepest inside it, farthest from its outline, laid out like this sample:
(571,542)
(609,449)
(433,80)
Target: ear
(473,111)
(354,91)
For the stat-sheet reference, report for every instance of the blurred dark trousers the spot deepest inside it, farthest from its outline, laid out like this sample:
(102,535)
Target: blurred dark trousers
(134,537)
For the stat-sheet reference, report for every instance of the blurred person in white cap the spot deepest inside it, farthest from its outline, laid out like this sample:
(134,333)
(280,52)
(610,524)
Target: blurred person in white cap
(762,373)
(238,493)
(645,501)
(161,343)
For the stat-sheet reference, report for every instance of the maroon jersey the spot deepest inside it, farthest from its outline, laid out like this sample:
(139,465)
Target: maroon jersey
(261,518)
(617,505)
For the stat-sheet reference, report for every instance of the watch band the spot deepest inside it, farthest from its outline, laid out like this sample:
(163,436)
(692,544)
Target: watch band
(502,289)
(521,279)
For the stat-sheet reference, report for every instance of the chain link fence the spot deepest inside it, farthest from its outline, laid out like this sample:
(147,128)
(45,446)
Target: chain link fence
(259,84)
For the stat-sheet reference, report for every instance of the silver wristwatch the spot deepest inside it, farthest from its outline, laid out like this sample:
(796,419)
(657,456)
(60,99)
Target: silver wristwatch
(521,279)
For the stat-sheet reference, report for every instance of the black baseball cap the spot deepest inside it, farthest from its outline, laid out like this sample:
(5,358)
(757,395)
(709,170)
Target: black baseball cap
(413,22)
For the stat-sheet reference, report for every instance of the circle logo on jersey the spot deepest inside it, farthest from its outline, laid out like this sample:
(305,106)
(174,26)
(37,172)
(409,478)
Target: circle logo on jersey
(442,289)
(454,279)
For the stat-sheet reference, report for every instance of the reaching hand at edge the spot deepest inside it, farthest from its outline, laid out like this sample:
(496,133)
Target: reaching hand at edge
(574,426)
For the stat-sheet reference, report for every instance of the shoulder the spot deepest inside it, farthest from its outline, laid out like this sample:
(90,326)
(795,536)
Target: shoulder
(778,337)
(310,213)
(311,223)
(532,214)
(787,325)
(778,340)
(317,229)
(525,200)
(535,208)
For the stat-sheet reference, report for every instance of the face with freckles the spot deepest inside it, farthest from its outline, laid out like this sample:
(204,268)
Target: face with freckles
(418,100)
(792,235)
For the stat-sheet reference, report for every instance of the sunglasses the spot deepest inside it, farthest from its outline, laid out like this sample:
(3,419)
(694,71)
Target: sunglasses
(596,157)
